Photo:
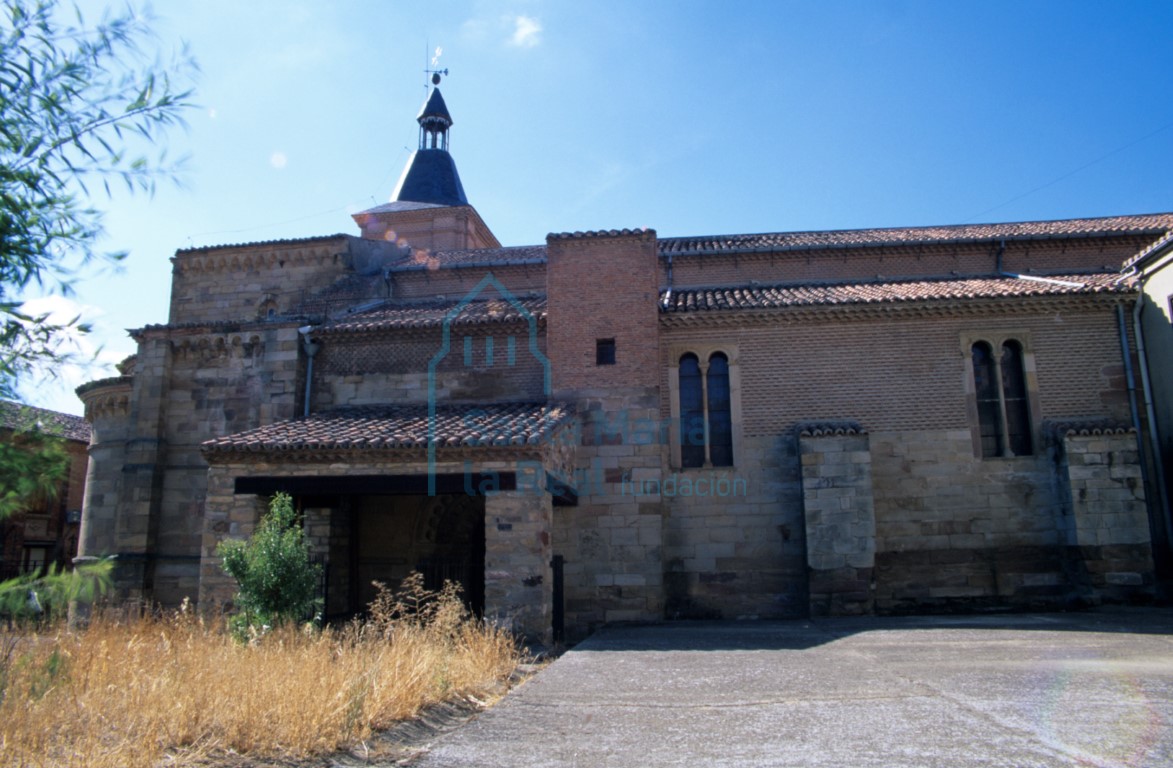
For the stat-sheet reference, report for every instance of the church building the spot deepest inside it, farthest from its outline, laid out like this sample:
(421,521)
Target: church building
(617,426)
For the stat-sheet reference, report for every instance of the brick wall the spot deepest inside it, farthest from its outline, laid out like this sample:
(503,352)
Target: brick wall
(433,227)
(602,286)
(910,371)
(393,368)
(896,262)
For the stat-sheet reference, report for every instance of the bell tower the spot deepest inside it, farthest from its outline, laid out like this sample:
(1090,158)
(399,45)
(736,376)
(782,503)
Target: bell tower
(428,208)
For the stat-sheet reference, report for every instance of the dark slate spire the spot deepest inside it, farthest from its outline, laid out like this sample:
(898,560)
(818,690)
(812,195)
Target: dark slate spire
(430,175)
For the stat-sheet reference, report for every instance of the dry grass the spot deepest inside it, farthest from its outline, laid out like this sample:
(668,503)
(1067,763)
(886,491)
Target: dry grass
(177,690)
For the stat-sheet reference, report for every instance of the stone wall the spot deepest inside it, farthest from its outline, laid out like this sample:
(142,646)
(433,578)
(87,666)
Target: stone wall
(611,540)
(236,284)
(733,542)
(840,519)
(952,529)
(1107,520)
(518,578)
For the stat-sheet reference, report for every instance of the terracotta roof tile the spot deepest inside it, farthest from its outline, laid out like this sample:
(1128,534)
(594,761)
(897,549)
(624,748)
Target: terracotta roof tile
(1154,224)
(778,297)
(473,257)
(373,428)
(599,233)
(23,418)
(1160,245)
(255,243)
(432,314)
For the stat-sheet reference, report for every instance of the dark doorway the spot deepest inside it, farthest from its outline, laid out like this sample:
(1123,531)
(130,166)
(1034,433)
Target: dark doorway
(442,537)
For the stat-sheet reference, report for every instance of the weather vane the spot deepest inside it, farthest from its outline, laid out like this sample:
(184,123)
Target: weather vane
(434,68)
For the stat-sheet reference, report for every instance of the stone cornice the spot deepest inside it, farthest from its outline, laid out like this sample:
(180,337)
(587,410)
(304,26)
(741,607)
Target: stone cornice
(107,398)
(246,258)
(207,346)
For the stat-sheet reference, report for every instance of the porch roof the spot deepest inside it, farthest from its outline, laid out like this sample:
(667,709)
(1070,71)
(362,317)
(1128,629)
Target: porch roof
(373,428)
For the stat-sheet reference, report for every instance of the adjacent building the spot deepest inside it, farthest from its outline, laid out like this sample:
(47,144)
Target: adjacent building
(43,533)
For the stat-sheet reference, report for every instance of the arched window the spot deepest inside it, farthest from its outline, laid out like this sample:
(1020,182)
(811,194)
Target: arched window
(1003,406)
(985,382)
(1014,396)
(706,421)
(692,413)
(720,420)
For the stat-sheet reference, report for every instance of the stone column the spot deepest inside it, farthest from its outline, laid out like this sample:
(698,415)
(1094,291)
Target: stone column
(840,519)
(518,579)
(1109,514)
(226,515)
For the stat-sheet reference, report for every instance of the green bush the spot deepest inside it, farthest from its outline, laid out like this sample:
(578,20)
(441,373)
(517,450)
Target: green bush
(277,583)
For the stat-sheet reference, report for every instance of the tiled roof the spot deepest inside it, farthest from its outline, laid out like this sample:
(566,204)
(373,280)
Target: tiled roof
(1160,245)
(20,417)
(1154,224)
(778,297)
(599,233)
(432,314)
(473,257)
(374,428)
(255,243)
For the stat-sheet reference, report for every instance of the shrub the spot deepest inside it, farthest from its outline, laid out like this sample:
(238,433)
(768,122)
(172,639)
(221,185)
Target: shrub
(277,583)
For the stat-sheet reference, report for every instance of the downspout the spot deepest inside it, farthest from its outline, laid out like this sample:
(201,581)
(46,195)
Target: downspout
(1130,377)
(668,293)
(1151,415)
(311,348)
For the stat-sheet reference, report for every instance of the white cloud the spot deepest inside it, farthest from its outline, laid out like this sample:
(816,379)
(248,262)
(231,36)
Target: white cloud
(278,160)
(526,32)
(52,385)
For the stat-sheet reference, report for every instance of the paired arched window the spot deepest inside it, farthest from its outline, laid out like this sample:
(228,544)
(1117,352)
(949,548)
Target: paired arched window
(706,420)
(1003,408)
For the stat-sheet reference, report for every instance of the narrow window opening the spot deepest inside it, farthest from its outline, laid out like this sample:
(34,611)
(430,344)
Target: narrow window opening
(605,352)
(720,419)
(989,411)
(1003,402)
(1018,435)
(692,413)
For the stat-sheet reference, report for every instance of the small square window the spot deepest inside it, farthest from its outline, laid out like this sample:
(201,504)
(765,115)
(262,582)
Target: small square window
(604,351)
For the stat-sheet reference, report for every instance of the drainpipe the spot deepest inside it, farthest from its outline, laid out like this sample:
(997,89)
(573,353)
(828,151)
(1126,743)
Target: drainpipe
(1150,411)
(668,293)
(1130,377)
(311,349)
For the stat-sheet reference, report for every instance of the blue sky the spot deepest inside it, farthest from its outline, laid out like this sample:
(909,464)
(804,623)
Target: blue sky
(687,117)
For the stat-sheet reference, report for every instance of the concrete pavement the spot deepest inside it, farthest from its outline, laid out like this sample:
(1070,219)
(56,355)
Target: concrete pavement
(1092,689)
